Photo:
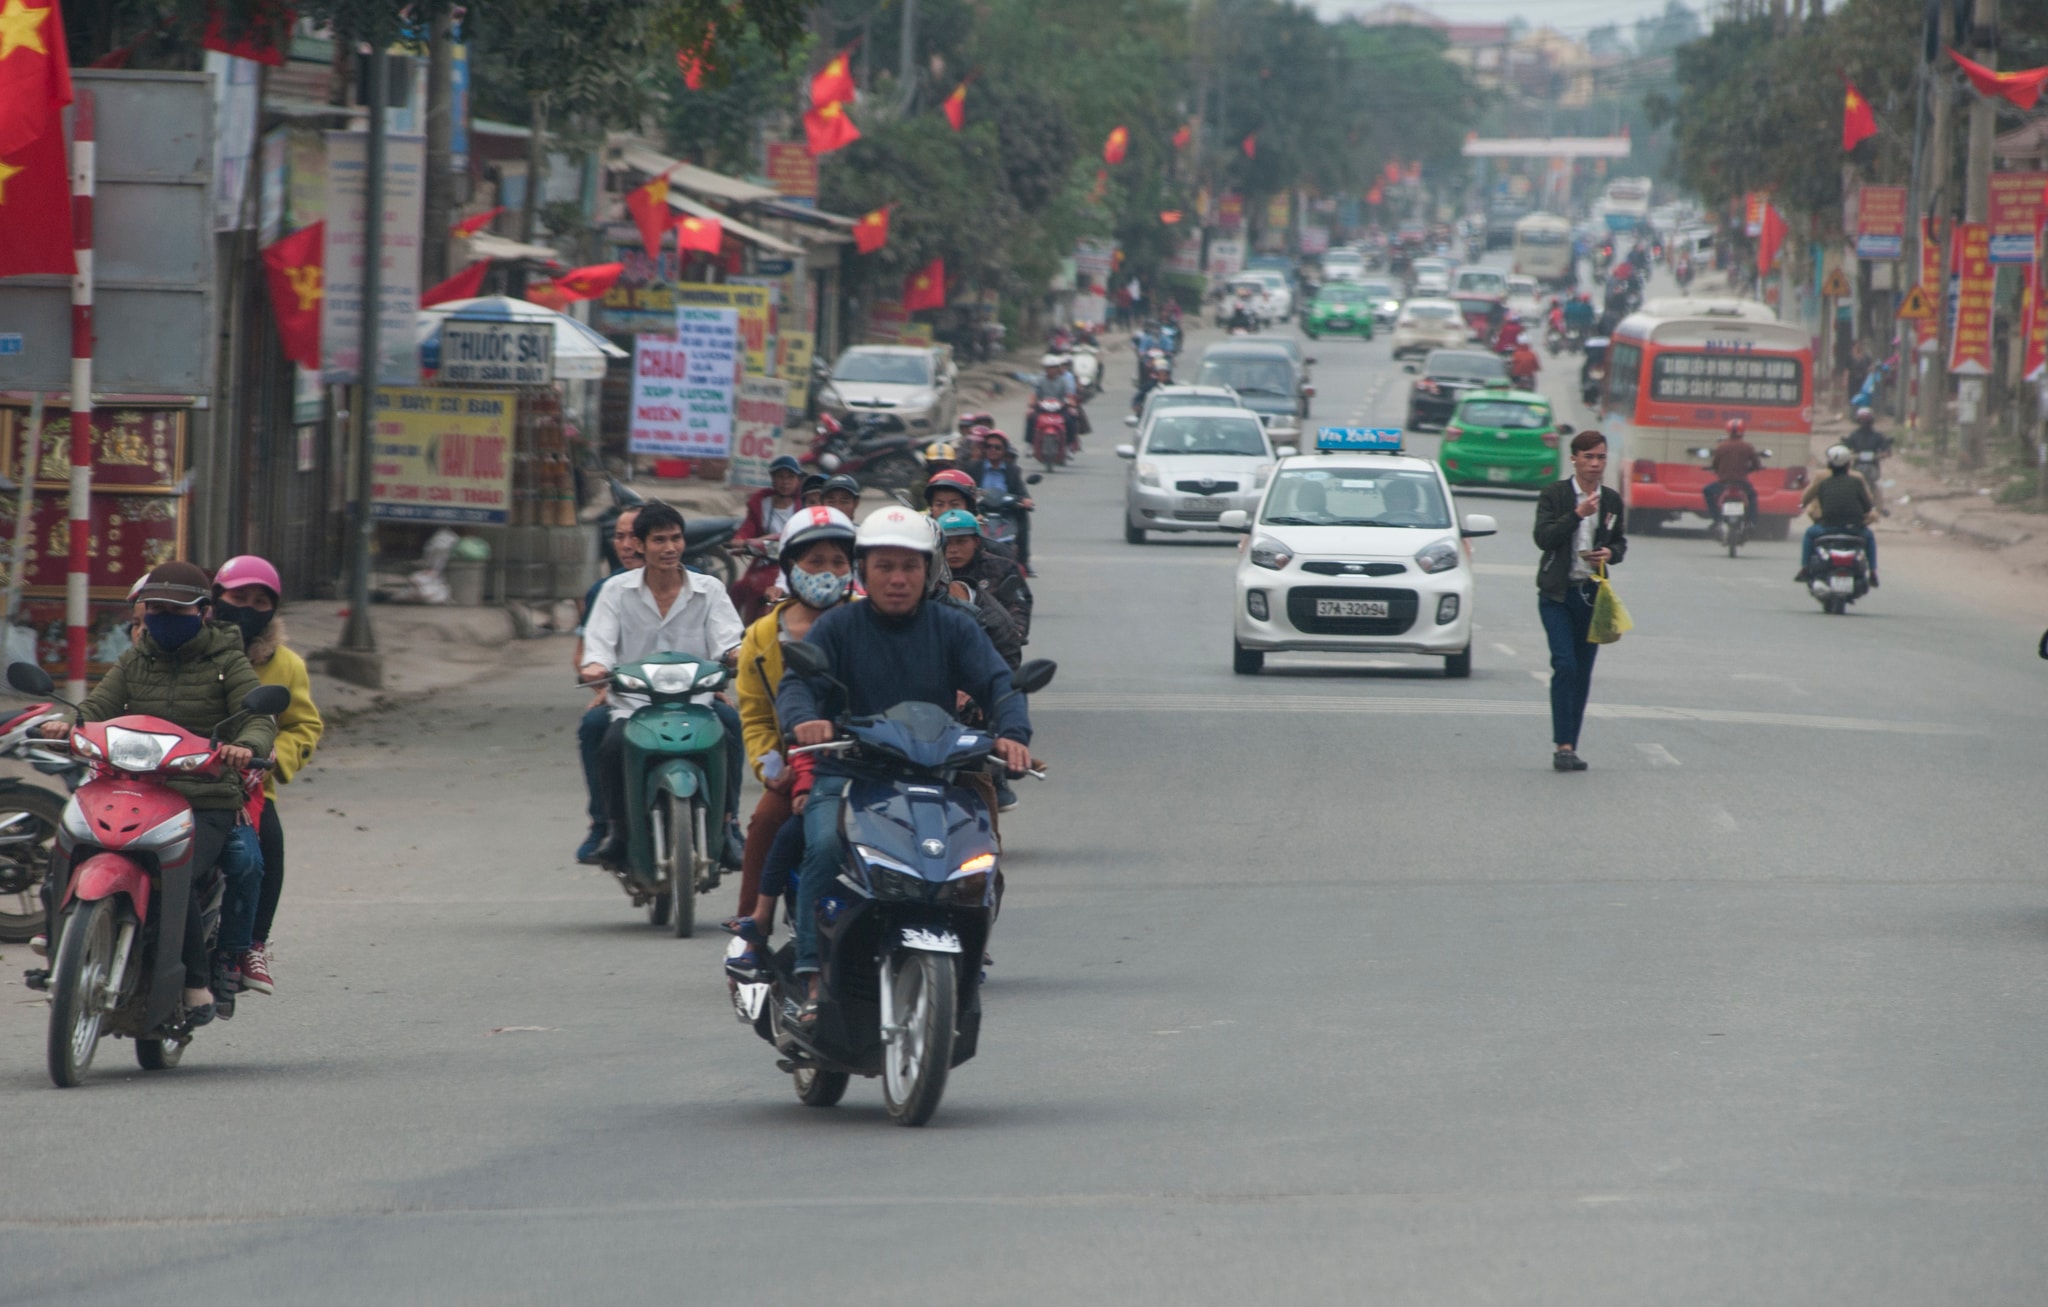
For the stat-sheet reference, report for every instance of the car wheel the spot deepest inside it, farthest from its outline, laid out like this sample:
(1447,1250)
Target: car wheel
(1133,535)
(1458,666)
(1246,662)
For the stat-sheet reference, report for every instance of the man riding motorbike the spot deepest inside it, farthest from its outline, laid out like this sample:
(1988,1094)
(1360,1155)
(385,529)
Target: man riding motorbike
(1840,502)
(1733,459)
(1579,314)
(590,731)
(1057,383)
(996,472)
(1523,366)
(1867,439)
(974,562)
(951,488)
(842,494)
(767,509)
(897,647)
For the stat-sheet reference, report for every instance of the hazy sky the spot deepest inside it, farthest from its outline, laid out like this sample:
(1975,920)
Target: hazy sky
(1573,16)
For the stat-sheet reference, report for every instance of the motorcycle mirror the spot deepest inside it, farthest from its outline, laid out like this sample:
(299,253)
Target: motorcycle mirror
(33,680)
(1409,368)
(1034,675)
(267,700)
(1310,360)
(1034,478)
(623,494)
(805,659)
(1764,453)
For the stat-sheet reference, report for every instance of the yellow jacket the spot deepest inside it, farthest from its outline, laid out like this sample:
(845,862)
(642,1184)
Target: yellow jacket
(299,726)
(757,673)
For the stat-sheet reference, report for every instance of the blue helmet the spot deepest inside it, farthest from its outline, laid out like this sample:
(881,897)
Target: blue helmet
(958,522)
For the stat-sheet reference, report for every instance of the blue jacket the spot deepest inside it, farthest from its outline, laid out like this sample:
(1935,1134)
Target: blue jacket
(925,658)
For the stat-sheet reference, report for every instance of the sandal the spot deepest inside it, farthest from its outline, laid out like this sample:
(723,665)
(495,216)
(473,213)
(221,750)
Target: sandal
(748,931)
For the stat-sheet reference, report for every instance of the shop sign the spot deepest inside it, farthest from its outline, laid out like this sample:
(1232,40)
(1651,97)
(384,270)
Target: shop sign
(497,353)
(441,455)
(756,429)
(683,386)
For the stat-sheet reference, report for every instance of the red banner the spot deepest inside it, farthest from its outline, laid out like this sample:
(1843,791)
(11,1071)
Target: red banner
(1970,351)
(1881,222)
(2015,207)
(2036,310)
(792,170)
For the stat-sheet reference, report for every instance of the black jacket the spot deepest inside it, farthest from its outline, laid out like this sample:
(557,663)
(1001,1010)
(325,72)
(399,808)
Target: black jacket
(1557,524)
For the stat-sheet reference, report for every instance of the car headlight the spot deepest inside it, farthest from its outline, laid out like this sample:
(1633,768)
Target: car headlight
(919,399)
(1270,554)
(829,396)
(674,678)
(1261,475)
(1148,474)
(1439,557)
(627,681)
(137,751)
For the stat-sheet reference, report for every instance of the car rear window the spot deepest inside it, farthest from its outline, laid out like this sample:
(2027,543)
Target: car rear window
(1434,312)
(1505,415)
(892,369)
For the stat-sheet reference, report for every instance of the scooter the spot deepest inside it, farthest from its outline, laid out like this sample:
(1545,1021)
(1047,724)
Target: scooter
(28,819)
(749,594)
(871,446)
(1838,571)
(1087,363)
(1002,515)
(903,925)
(1049,432)
(124,855)
(675,786)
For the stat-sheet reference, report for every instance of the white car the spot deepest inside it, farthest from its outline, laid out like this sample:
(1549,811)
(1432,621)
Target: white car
(1355,550)
(1386,295)
(917,385)
(1427,324)
(1525,296)
(1191,465)
(1343,265)
(1430,276)
(1179,396)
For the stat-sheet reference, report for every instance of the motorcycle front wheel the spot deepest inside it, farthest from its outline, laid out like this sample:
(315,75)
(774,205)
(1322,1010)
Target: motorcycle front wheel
(78,982)
(678,865)
(924,993)
(28,821)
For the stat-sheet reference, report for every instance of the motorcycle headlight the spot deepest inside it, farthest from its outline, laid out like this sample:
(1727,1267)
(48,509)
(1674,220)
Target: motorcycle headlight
(1270,554)
(890,880)
(1148,474)
(675,678)
(137,751)
(1439,557)
(628,681)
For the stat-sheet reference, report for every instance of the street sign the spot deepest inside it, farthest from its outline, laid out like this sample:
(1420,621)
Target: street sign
(1837,284)
(10,342)
(497,353)
(1916,308)
(1383,440)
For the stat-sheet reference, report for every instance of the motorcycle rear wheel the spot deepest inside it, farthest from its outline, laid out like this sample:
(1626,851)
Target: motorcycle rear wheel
(819,1088)
(158,1054)
(27,846)
(78,989)
(678,864)
(924,989)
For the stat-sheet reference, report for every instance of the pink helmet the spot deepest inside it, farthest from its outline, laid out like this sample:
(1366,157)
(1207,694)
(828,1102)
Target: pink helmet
(247,569)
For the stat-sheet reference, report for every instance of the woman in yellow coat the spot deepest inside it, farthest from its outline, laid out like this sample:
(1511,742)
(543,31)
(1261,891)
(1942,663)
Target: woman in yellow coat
(246,591)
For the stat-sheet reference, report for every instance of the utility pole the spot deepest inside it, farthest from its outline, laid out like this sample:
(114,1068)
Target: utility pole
(440,178)
(1977,202)
(1939,206)
(357,660)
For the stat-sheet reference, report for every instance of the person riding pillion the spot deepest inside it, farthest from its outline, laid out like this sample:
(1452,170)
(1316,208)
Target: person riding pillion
(1840,503)
(897,647)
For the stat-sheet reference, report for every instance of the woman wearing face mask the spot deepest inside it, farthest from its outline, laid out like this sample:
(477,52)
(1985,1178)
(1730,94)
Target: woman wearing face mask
(246,591)
(190,671)
(817,556)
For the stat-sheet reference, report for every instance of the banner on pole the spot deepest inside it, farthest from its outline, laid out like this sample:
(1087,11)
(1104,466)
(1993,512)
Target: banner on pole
(2036,315)
(754,306)
(2015,206)
(1970,349)
(683,386)
(398,288)
(756,429)
(1881,222)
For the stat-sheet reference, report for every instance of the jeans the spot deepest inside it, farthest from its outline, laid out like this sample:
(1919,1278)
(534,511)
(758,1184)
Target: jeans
(590,734)
(611,765)
(270,834)
(1816,531)
(1571,659)
(241,870)
(820,864)
(1718,491)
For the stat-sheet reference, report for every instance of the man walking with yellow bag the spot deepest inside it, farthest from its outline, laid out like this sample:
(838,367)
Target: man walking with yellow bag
(1579,529)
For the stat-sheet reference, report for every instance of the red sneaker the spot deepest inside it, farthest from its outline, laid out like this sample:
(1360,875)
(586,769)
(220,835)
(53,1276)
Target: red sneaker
(256,969)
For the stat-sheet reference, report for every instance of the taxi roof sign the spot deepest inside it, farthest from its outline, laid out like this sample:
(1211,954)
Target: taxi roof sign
(1382,440)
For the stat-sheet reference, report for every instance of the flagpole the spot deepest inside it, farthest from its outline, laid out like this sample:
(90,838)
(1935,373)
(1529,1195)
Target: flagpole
(76,576)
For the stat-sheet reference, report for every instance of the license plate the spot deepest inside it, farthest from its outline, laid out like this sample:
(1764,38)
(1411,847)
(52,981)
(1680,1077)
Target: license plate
(1351,608)
(1199,503)
(1496,474)
(1842,584)
(1734,510)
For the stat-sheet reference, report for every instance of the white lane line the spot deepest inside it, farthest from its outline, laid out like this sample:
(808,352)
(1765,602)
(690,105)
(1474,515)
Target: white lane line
(1538,677)
(1658,755)
(1504,650)
(1198,705)
(1722,818)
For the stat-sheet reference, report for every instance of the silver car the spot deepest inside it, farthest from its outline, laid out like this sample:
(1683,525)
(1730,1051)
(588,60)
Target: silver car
(1191,465)
(916,384)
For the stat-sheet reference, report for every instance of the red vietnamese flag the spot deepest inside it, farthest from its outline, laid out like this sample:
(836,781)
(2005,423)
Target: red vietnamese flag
(1169,216)
(35,73)
(827,129)
(955,107)
(295,268)
(463,285)
(704,235)
(834,81)
(925,288)
(35,207)
(2021,89)
(587,283)
(476,222)
(1113,148)
(548,296)
(649,206)
(1859,123)
(265,36)
(1770,240)
(1251,146)
(871,233)
(1183,136)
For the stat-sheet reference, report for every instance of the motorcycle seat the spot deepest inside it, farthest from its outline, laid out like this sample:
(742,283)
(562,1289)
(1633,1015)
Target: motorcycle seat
(698,530)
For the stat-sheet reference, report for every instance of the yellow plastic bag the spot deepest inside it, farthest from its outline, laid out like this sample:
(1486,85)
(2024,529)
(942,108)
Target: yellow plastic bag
(1610,620)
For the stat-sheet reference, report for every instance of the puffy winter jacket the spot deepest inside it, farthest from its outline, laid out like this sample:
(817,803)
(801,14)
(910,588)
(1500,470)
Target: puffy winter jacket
(197,686)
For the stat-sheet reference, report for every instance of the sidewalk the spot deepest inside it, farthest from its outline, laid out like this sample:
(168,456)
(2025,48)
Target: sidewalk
(426,647)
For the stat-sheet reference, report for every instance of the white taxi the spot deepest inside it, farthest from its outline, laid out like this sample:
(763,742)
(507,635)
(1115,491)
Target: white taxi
(1355,549)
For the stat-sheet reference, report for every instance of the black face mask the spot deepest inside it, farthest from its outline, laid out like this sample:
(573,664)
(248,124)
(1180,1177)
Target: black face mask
(253,621)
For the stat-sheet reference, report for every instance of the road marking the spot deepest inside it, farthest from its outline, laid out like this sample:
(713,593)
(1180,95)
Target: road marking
(1658,755)
(1504,650)
(1537,676)
(1722,818)
(1199,705)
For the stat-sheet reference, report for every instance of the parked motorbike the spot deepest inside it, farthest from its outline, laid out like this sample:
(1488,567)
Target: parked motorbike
(124,844)
(1838,571)
(906,920)
(1048,427)
(29,815)
(871,446)
(675,786)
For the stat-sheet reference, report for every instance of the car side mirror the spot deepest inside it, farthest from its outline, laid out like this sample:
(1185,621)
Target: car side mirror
(1286,451)
(1126,451)
(1409,368)
(1034,478)
(1033,676)
(33,680)
(267,700)
(805,659)
(1236,519)
(1478,524)
(1131,420)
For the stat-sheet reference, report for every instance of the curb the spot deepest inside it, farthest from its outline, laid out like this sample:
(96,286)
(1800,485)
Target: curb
(1970,525)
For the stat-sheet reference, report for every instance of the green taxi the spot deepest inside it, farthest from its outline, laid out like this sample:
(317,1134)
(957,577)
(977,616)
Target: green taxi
(1340,308)
(1502,437)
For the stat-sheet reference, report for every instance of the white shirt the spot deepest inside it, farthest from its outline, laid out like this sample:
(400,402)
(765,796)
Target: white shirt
(1582,539)
(625,626)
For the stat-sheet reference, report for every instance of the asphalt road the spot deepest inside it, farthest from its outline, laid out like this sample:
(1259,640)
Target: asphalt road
(1316,986)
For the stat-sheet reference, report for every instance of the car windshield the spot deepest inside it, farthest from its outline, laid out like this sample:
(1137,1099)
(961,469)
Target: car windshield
(1176,433)
(1379,290)
(1465,366)
(1432,312)
(1344,293)
(1250,376)
(890,369)
(1503,415)
(1356,497)
(1482,281)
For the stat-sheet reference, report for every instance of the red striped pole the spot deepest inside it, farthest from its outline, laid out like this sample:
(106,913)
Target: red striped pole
(75,613)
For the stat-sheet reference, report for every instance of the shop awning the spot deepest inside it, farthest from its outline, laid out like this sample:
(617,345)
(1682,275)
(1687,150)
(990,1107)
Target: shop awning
(752,235)
(691,178)
(580,353)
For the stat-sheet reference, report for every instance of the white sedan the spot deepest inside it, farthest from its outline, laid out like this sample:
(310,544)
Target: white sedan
(1427,324)
(1355,552)
(1191,465)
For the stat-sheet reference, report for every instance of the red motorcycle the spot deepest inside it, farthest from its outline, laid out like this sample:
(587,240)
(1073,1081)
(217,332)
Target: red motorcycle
(1049,432)
(757,555)
(28,819)
(126,838)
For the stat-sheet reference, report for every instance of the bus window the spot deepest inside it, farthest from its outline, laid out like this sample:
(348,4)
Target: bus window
(1624,371)
(1745,379)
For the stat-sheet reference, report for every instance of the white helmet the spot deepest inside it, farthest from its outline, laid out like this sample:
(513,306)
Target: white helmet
(896,527)
(1051,361)
(1865,415)
(1839,456)
(818,522)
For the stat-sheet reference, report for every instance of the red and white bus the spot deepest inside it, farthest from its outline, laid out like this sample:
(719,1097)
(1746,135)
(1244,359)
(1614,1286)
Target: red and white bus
(1676,373)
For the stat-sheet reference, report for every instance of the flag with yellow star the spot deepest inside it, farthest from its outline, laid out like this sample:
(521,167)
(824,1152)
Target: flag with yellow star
(35,71)
(35,207)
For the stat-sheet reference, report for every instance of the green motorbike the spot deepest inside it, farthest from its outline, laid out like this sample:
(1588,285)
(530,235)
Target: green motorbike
(675,786)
